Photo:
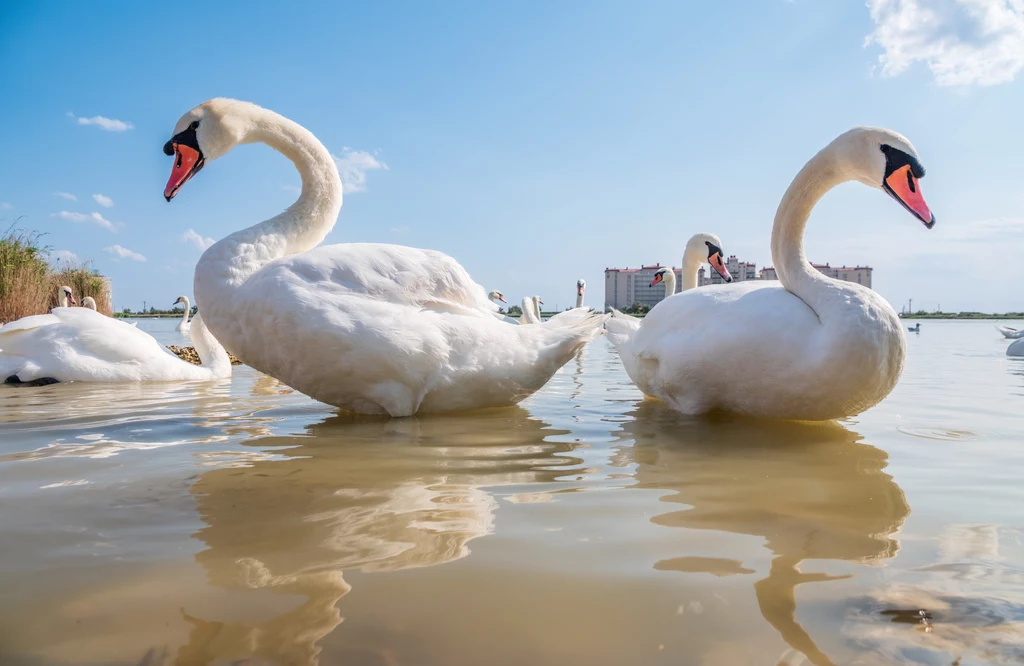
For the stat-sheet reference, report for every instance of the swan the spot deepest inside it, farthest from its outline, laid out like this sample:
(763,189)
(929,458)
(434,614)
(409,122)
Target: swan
(183,324)
(702,247)
(1016,348)
(82,345)
(577,313)
(498,296)
(1011,333)
(64,296)
(805,347)
(531,310)
(89,302)
(367,327)
(915,329)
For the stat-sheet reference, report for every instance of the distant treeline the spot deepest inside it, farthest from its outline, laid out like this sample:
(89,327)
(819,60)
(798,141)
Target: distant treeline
(921,314)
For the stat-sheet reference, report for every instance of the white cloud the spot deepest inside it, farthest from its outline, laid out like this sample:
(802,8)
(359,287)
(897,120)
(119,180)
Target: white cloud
(124,253)
(353,165)
(197,239)
(64,256)
(108,124)
(95,218)
(963,42)
(66,195)
(5,206)
(104,201)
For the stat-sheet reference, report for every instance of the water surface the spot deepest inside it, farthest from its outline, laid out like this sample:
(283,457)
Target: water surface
(239,522)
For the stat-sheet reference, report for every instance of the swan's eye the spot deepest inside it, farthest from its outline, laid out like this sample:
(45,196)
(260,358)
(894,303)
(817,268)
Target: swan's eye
(194,125)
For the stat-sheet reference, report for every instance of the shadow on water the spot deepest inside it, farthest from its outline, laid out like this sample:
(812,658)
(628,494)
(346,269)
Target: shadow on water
(811,491)
(354,494)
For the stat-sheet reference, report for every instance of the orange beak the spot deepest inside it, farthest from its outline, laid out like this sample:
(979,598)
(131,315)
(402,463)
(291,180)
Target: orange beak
(657,279)
(904,187)
(73,301)
(716,262)
(502,299)
(187,163)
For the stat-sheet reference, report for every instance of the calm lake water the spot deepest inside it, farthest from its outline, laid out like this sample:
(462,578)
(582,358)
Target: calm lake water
(242,523)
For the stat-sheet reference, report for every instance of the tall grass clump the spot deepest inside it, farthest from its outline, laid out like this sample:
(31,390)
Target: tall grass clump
(24,284)
(28,283)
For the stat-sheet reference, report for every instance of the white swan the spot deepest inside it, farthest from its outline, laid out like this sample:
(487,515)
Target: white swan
(366,327)
(531,310)
(64,296)
(1011,333)
(82,345)
(577,313)
(1016,348)
(183,324)
(498,296)
(806,347)
(701,248)
(89,302)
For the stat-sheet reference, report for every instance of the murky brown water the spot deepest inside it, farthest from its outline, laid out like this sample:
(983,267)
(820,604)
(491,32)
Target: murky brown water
(242,523)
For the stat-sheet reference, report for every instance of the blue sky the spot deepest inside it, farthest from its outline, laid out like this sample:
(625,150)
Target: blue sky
(535,142)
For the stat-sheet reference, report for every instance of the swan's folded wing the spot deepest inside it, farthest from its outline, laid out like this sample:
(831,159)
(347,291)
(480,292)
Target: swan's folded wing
(27,324)
(393,273)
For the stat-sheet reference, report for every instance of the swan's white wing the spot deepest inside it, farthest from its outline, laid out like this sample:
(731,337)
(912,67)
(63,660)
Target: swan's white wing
(569,317)
(393,273)
(28,323)
(1007,332)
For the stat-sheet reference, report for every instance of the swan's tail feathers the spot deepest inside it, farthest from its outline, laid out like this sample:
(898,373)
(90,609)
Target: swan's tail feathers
(621,327)
(1010,333)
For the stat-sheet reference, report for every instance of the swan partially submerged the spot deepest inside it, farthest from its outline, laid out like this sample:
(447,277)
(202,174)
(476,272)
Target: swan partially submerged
(367,327)
(82,345)
(805,347)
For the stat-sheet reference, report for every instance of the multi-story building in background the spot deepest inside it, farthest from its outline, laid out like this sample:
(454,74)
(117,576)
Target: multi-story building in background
(625,286)
(858,274)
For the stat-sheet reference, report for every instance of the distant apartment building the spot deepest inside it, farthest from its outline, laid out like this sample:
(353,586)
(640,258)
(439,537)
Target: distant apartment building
(625,286)
(741,271)
(858,274)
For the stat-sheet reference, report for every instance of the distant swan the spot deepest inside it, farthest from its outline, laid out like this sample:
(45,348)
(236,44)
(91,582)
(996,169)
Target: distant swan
(367,327)
(82,345)
(578,313)
(701,248)
(183,324)
(805,347)
(497,296)
(1011,333)
(915,329)
(89,302)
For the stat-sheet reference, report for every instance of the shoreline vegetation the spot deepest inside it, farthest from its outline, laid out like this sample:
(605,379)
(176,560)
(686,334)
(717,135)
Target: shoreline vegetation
(28,281)
(960,315)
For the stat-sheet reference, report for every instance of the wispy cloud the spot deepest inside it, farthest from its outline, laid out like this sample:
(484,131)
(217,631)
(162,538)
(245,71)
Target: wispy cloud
(5,206)
(108,124)
(200,241)
(95,218)
(291,188)
(66,195)
(102,200)
(64,256)
(124,253)
(963,42)
(352,167)
(399,230)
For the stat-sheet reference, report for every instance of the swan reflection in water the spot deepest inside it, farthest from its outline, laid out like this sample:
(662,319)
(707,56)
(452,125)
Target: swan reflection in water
(811,491)
(358,493)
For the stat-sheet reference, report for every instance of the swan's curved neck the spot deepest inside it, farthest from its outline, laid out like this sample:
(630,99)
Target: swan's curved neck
(691,270)
(670,282)
(302,226)
(211,353)
(62,299)
(796,274)
(188,309)
(579,299)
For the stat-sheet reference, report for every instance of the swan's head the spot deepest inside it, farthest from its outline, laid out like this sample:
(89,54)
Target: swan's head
(886,160)
(707,247)
(536,299)
(181,299)
(202,135)
(581,286)
(496,296)
(64,296)
(659,276)
(89,302)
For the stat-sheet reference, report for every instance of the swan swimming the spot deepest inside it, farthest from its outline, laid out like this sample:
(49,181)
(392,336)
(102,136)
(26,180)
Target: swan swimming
(531,310)
(701,248)
(577,313)
(367,327)
(183,324)
(805,347)
(89,302)
(82,345)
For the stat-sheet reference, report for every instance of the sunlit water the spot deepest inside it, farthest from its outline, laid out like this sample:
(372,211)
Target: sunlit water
(242,523)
